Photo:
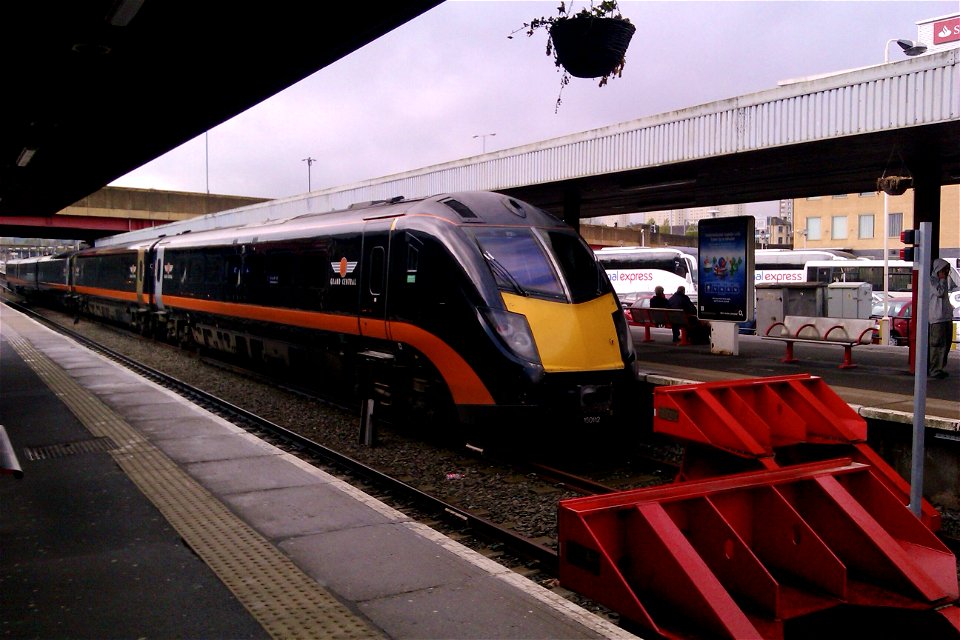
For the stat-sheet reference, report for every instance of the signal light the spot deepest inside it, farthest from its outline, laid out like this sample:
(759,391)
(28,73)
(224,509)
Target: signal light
(909,237)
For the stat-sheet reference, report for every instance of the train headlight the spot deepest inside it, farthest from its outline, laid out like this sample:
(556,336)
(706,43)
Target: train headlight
(514,332)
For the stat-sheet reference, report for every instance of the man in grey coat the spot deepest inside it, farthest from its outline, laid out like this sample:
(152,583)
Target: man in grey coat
(940,318)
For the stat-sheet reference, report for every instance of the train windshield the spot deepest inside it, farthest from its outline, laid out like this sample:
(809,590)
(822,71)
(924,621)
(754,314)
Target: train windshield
(549,264)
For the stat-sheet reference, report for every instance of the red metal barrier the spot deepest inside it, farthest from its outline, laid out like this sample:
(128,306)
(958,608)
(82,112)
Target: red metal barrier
(768,423)
(741,556)
(781,512)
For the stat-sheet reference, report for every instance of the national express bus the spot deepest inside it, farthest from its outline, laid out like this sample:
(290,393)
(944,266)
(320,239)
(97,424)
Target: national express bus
(787,266)
(790,265)
(900,272)
(641,269)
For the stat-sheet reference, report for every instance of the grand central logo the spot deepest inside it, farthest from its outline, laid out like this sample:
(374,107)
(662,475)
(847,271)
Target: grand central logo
(343,268)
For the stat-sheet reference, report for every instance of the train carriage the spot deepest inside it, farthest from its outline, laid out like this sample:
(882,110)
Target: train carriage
(21,275)
(109,283)
(40,278)
(53,277)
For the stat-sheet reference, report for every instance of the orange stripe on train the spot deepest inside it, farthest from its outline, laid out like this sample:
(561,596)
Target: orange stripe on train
(464,383)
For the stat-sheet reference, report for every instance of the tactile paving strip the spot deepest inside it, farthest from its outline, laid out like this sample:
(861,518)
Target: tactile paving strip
(284,600)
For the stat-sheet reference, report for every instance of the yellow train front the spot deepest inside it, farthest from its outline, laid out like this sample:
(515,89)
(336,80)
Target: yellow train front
(472,306)
(521,299)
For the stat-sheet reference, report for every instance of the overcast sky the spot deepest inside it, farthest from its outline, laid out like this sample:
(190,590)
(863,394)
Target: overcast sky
(417,96)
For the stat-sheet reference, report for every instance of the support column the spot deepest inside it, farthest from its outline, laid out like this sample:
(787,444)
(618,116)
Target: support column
(926,203)
(571,205)
(926,208)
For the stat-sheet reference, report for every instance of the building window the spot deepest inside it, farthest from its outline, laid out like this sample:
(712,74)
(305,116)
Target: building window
(867,194)
(813,198)
(865,226)
(895,221)
(840,195)
(813,229)
(839,228)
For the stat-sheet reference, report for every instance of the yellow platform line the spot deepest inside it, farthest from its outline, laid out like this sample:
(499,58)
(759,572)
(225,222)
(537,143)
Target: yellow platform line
(283,599)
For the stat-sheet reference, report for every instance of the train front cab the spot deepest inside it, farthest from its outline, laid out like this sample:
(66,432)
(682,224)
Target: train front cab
(535,340)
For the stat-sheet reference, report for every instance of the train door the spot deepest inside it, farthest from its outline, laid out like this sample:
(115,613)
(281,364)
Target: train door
(158,272)
(373,277)
(143,277)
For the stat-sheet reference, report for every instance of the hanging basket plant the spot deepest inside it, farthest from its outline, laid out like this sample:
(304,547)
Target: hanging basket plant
(591,43)
(589,47)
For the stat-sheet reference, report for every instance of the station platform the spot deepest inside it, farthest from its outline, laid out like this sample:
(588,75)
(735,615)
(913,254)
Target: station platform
(140,515)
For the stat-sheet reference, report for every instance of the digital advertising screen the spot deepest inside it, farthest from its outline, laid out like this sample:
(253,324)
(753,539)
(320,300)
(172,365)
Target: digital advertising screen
(725,274)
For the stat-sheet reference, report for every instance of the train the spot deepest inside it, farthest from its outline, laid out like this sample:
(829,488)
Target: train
(474,306)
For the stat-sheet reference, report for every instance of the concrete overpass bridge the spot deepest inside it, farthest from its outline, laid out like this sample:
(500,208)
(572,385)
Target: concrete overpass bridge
(114,210)
(827,135)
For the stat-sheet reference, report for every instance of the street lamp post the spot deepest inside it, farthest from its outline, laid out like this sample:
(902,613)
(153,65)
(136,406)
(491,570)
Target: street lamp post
(910,48)
(483,140)
(309,162)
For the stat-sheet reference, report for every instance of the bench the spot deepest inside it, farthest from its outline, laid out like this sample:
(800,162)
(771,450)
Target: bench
(647,317)
(844,332)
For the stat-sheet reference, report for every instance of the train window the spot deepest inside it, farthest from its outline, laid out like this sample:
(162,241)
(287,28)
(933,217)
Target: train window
(377,262)
(214,269)
(584,275)
(413,259)
(192,275)
(518,262)
(115,271)
(278,269)
(312,280)
(414,246)
(232,270)
(250,268)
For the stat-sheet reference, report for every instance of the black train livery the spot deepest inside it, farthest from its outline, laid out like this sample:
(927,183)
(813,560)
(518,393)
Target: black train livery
(474,302)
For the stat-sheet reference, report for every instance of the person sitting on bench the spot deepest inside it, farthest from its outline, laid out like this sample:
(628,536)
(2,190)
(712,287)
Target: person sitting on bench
(680,300)
(659,301)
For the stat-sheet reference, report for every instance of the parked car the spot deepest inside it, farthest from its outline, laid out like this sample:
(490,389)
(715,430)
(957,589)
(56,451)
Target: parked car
(637,300)
(900,311)
(627,300)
